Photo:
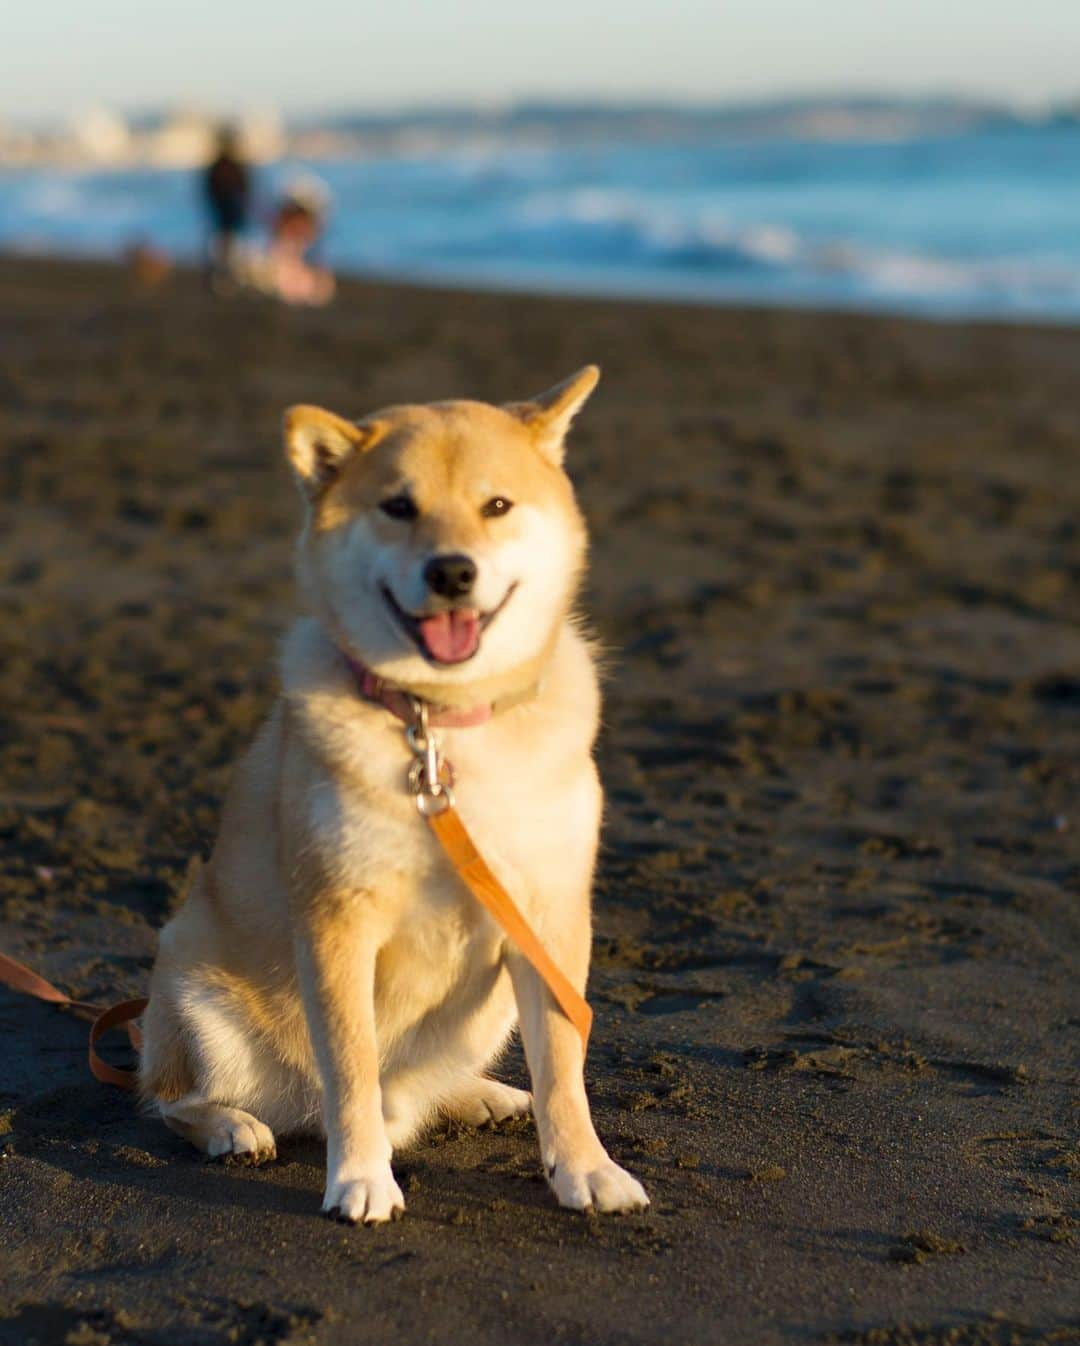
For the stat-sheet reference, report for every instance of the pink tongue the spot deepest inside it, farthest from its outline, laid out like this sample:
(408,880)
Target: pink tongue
(451,637)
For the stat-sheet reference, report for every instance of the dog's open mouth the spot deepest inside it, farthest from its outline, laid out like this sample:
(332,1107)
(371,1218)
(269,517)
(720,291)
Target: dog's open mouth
(451,636)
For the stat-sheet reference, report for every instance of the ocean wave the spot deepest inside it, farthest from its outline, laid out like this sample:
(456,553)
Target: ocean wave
(623,229)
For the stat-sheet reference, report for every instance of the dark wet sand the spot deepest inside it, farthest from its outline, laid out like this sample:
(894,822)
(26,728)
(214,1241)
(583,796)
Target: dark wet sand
(836,562)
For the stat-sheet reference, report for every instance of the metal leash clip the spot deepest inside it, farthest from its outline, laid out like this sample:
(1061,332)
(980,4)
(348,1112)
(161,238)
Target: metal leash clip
(431,777)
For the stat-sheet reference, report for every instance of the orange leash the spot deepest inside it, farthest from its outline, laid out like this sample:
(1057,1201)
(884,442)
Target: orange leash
(485,887)
(431,780)
(470,866)
(493,897)
(20,978)
(435,801)
(474,872)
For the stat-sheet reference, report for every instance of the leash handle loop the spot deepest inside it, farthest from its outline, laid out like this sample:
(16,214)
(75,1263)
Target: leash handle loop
(20,978)
(116,1016)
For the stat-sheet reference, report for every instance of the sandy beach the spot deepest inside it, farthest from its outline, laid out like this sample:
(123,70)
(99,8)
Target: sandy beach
(836,567)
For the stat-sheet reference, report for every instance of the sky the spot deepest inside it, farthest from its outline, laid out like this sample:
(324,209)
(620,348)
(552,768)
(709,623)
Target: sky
(308,56)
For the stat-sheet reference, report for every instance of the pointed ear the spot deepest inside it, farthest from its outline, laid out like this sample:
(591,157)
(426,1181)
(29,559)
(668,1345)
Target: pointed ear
(549,415)
(319,444)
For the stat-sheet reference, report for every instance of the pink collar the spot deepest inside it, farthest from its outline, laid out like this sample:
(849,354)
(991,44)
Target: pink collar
(400,703)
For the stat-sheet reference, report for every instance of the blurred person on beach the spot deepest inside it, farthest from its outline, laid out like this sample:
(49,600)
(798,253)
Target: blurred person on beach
(293,272)
(227,190)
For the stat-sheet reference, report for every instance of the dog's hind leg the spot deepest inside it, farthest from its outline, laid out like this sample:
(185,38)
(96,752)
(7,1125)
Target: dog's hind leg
(410,1104)
(203,1068)
(219,1131)
(481,1100)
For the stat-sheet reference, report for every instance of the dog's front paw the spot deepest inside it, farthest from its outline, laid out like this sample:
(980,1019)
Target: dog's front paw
(371,1198)
(602,1187)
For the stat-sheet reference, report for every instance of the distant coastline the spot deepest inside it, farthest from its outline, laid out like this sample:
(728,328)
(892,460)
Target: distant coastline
(182,137)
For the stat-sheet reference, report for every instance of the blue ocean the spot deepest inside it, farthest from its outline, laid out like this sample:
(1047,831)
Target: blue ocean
(981,224)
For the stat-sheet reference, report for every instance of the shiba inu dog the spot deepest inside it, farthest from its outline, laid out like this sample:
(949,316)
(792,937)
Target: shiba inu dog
(328,969)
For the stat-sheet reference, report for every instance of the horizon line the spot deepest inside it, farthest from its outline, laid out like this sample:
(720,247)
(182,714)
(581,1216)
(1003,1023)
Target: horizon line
(947,95)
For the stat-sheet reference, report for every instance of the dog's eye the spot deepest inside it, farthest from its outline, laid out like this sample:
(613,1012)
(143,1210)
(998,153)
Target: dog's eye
(400,507)
(498,504)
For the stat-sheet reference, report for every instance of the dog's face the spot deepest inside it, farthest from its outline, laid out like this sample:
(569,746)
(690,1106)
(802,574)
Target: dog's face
(442,543)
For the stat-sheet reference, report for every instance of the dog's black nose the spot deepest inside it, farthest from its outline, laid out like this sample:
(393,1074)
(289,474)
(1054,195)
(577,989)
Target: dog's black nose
(450,576)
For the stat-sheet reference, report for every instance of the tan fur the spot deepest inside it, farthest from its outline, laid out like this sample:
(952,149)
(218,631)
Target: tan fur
(328,971)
